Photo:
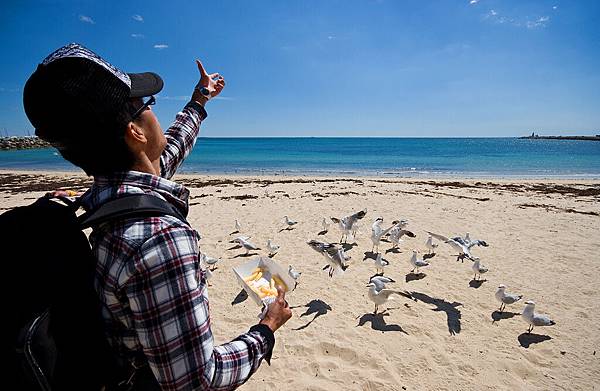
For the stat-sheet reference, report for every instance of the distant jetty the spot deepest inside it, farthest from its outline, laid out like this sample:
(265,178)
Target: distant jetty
(28,142)
(534,136)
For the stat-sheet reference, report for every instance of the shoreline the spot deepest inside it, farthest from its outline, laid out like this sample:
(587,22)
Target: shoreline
(287,174)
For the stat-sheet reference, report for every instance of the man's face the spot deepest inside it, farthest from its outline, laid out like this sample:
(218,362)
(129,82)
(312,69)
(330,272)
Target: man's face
(152,130)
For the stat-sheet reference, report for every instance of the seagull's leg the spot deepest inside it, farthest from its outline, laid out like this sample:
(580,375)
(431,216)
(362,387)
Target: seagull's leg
(375,309)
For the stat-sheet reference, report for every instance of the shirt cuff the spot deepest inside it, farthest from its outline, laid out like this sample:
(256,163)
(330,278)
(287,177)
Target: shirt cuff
(267,333)
(197,107)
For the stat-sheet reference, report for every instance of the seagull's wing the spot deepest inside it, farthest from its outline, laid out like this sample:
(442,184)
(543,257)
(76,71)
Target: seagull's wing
(438,236)
(460,240)
(541,320)
(407,233)
(478,243)
(510,299)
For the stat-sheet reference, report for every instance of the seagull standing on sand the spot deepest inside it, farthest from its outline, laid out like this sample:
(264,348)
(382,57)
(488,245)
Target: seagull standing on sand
(417,262)
(463,250)
(380,263)
(209,261)
(273,248)
(534,319)
(430,245)
(294,274)
(288,222)
(478,268)
(506,298)
(381,296)
(238,226)
(243,241)
(346,224)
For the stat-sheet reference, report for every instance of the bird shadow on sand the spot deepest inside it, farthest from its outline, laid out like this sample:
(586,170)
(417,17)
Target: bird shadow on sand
(348,246)
(453,314)
(428,256)
(242,296)
(317,307)
(322,233)
(528,339)
(370,255)
(234,247)
(395,250)
(287,229)
(415,276)
(378,323)
(246,255)
(497,316)
(476,283)
(234,232)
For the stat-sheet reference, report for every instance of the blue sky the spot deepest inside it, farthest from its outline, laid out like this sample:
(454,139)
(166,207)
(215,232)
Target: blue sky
(410,68)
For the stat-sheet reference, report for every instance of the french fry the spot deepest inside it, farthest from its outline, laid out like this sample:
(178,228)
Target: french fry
(251,277)
(279,282)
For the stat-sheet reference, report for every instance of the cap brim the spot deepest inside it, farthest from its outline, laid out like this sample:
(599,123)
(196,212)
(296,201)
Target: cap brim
(145,84)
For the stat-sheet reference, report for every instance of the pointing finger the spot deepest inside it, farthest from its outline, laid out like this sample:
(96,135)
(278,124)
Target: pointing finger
(201,69)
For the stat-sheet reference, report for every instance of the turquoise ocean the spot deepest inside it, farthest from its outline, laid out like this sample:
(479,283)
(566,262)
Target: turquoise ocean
(384,157)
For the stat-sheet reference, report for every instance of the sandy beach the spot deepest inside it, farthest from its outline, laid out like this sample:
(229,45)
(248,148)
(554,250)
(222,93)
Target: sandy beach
(544,243)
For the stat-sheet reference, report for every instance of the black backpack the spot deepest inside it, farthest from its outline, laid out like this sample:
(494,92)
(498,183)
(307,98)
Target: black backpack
(56,339)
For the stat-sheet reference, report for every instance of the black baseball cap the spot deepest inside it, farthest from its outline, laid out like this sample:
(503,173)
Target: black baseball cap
(75,84)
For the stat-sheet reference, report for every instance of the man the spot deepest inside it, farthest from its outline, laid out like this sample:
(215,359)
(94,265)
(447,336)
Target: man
(147,275)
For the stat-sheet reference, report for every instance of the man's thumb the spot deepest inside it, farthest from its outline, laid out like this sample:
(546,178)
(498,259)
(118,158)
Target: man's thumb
(280,292)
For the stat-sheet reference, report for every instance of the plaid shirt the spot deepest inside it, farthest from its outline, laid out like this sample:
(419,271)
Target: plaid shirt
(148,276)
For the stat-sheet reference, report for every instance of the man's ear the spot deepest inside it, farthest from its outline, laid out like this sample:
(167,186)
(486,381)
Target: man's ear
(134,135)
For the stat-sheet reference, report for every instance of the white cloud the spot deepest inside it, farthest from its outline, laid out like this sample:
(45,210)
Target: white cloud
(541,22)
(473,1)
(554,7)
(86,19)
(331,37)
(137,36)
(138,18)
(160,46)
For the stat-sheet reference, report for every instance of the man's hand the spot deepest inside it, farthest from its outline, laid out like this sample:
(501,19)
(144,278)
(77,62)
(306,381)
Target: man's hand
(278,313)
(214,82)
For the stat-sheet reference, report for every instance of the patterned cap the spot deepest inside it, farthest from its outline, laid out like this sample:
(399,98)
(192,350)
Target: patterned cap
(74,82)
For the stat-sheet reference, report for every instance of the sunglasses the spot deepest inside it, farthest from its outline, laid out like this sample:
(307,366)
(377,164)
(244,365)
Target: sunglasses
(150,102)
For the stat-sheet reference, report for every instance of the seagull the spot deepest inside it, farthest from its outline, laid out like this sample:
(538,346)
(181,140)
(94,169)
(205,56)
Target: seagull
(243,241)
(204,268)
(506,298)
(430,245)
(417,262)
(346,224)
(273,248)
(325,224)
(478,269)
(380,281)
(377,232)
(289,222)
(463,250)
(381,296)
(397,232)
(467,241)
(294,274)
(238,226)
(208,261)
(335,256)
(534,319)
(380,263)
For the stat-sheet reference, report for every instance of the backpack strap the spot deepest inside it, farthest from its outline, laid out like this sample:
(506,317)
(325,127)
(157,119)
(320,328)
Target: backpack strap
(135,205)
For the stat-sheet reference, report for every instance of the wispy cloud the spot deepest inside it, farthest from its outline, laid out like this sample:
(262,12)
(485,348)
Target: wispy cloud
(138,18)
(160,46)
(137,36)
(554,7)
(86,19)
(540,22)
(495,17)
(473,1)
(331,37)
